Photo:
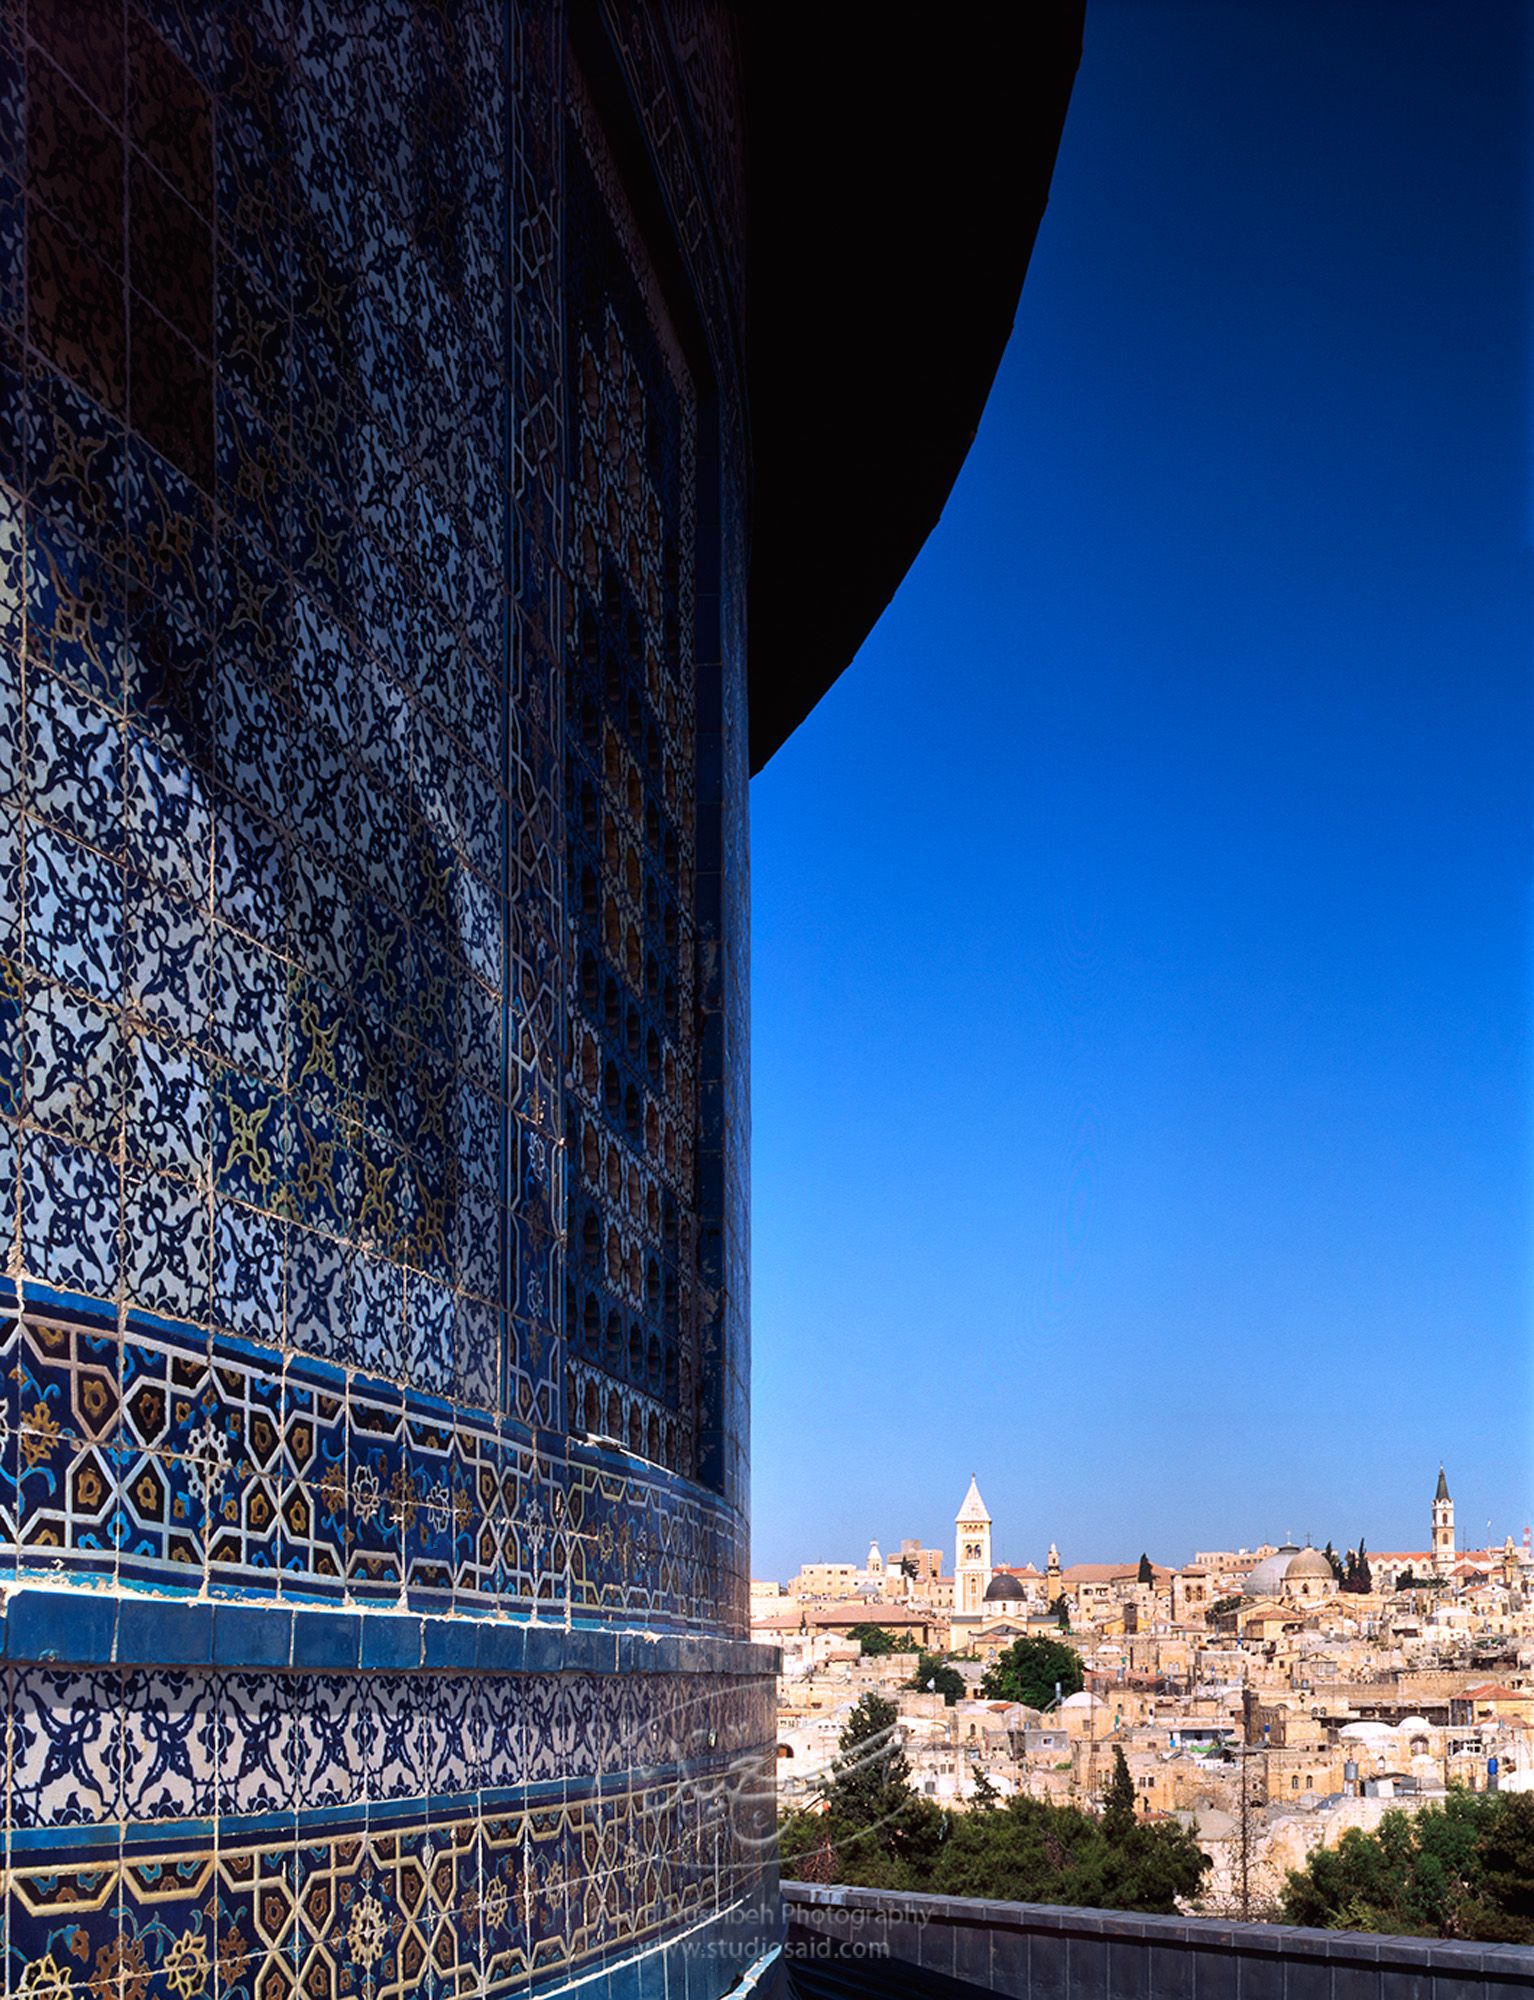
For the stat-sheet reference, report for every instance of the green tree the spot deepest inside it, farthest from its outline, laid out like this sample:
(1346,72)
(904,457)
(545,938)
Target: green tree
(1338,1571)
(1146,1573)
(874,1831)
(875,1641)
(1028,1851)
(1461,1870)
(983,1796)
(871,1775)
(1021,1850)
(1357,1576)
(933,1675)
(1029,1670)
(1504,1912)
(1060,1611)
(806,1850)
(1119,1798)
(1223,1607)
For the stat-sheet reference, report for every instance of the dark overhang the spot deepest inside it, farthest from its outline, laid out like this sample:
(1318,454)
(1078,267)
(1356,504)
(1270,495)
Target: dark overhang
(899,160)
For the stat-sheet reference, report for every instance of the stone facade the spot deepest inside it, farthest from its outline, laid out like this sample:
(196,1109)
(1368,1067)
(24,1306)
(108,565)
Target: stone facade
(373,874)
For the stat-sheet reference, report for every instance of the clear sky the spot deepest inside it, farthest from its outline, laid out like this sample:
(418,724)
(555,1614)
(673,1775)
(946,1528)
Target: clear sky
(1142,1010)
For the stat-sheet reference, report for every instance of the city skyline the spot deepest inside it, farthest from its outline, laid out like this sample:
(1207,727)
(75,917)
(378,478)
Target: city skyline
(1143,1075)
(1262,1704)
(1472,1536)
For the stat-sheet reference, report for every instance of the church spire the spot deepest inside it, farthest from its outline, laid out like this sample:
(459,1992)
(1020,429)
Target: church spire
(972,1570)
(1443,1526)
(974,1508)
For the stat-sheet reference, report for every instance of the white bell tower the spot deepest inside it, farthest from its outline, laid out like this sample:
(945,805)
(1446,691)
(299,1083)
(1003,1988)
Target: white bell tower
(1443,1527)
(971,1554)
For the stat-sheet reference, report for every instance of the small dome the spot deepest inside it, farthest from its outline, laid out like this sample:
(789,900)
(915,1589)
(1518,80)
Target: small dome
(1413,1725)
(1308,1563)
(1003,1589)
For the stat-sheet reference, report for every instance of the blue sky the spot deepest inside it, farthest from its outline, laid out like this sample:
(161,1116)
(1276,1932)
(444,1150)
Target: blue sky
(1141,973)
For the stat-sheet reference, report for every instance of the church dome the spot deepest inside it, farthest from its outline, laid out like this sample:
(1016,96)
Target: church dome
(1003,1589)
(1308,1563)
(1267,1579)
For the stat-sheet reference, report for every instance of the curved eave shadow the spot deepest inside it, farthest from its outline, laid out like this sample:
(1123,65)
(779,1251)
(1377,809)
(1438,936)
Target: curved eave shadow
(899,164)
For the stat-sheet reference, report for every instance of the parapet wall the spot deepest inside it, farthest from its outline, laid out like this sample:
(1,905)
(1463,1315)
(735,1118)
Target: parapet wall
(849,1941)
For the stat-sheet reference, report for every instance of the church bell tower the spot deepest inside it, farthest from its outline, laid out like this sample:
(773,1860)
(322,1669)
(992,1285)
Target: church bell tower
(1443,1527)
(971,1554)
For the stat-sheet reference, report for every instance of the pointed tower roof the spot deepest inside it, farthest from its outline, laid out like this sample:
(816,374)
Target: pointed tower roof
(974,1508)
(1443,1486)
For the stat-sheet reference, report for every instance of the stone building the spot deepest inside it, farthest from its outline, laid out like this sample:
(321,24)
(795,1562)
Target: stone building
(391,467)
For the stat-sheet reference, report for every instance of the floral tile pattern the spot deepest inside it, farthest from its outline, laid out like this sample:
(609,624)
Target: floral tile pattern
(193,1790)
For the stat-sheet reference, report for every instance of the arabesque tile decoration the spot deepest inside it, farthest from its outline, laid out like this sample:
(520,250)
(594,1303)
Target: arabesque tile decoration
(187,1831)
(372,977)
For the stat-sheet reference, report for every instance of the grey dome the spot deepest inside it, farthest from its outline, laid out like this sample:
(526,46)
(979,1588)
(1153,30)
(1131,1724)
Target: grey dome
(1003,1589)
(1267,1579)
(1309,1562)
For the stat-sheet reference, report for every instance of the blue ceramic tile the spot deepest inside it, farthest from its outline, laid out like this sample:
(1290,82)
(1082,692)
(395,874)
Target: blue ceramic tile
(151,1630)
(74,1626)
(70,1214)
(74,775)
(450,1642)
(252,1636)
(390,1641)
(74,914)
(326,1639)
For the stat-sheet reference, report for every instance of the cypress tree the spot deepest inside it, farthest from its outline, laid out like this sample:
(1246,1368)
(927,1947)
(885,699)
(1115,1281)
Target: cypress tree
(1119,1798)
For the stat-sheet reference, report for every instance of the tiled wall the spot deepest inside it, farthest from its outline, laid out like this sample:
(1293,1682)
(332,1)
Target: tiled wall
(189,1830)
(131,1455)
(373,882)
(258,716)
